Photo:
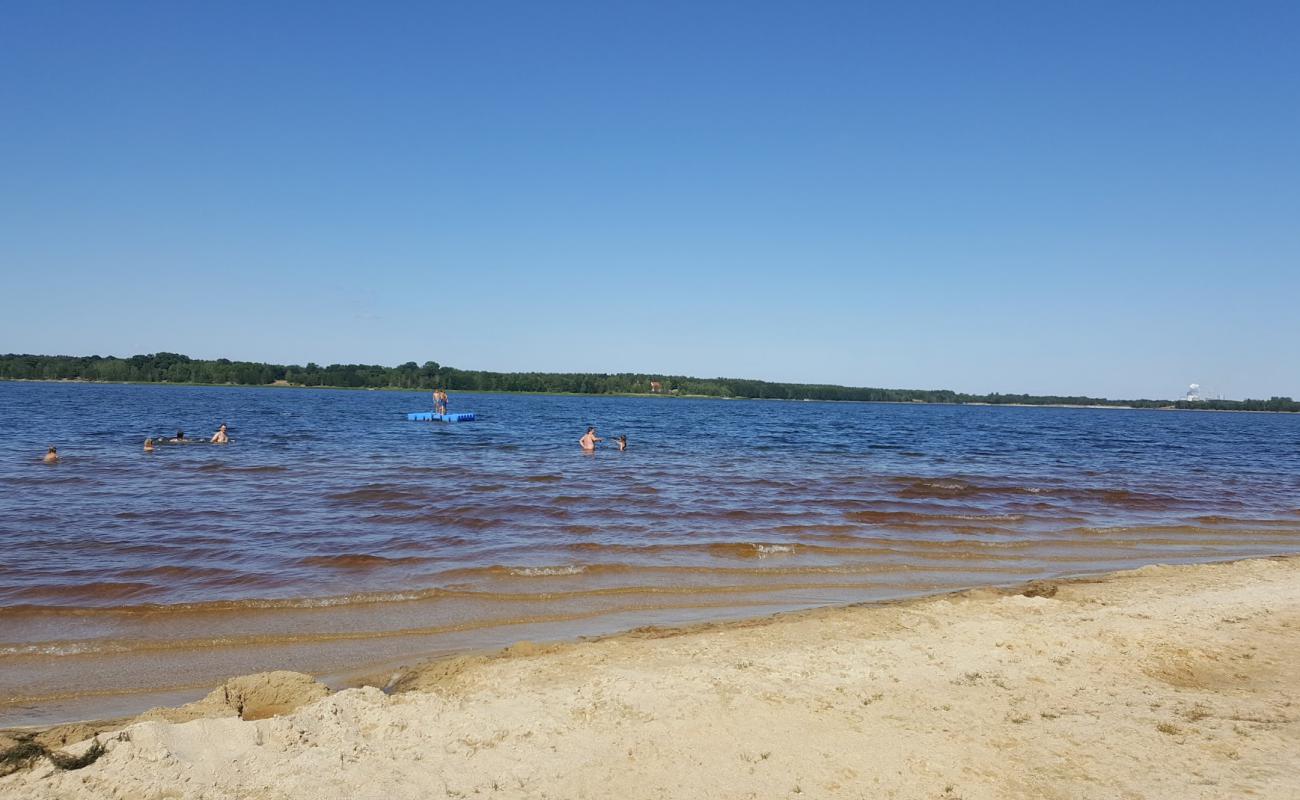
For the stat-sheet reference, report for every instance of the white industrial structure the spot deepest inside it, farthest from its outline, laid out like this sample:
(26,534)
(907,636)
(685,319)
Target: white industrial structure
(1193,393)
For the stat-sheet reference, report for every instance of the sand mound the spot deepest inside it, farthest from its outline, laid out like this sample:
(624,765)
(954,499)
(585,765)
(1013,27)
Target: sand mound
(249,697)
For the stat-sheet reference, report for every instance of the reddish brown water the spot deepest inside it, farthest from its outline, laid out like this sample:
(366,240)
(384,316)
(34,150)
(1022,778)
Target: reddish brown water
(332,535)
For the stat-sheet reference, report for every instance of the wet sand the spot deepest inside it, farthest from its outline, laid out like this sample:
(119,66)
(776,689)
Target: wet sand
(1174,682)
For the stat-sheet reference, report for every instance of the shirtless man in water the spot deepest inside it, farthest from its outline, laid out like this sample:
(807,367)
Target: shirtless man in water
(589,439)
(51,457)
(220,436)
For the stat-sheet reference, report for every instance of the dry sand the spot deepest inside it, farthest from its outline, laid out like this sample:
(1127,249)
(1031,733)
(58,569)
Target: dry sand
(1164,682)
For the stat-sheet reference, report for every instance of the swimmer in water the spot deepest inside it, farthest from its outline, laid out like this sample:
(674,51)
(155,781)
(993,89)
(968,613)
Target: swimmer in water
(148,445)
(179,437)
(622,442)
(220,436)
(589,439)
(51,457)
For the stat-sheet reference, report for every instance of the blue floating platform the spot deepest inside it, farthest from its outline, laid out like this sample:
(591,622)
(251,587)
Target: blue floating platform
(429,416)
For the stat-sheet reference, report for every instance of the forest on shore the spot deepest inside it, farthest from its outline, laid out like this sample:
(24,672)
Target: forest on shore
(176,368)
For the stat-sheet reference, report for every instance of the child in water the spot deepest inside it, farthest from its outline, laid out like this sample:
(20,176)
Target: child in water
(51,457)
(622,442)
(148,445)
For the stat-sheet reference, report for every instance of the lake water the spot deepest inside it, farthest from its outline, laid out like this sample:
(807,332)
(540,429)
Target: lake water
(334,536)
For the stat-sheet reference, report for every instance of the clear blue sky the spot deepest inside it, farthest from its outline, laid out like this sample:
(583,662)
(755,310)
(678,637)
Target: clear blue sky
(1052,197)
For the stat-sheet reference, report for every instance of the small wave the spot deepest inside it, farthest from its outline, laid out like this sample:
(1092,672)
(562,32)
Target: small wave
(527,510)
(437,519)
(945,489)
(885,517)
(209,606)
(750,549)
(817,527)
(358,561)
(915,517)
(536,572)
(462,521)
(957,488)
(544,478)
(1213,519)
(375,493)
(246,470)
(62,649)
(737,515)
(175,572)
(768,483)
(1128,499)
(931,525)
(93,591)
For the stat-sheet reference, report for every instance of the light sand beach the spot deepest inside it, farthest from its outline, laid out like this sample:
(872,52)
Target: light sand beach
(1162,682)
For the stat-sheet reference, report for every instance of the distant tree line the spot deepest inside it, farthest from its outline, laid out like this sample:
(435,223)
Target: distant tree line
(176,368)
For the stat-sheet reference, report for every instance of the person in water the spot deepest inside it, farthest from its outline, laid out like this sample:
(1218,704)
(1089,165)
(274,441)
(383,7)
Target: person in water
(622,442)
(52,456)
(148,445)
(179,437)
(220,436)
(440,401)
(589,439)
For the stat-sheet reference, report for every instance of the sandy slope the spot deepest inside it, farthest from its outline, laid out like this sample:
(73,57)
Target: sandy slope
(1171,682)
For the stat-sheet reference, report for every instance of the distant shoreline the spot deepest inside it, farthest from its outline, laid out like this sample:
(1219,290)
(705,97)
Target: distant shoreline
(654,396)
(169,368)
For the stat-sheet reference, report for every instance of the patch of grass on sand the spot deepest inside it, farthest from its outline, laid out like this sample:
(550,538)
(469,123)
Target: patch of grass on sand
(26,750)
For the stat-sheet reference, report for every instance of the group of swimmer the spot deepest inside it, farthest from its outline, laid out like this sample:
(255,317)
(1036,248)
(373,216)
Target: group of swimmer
(220,437)
(589,440)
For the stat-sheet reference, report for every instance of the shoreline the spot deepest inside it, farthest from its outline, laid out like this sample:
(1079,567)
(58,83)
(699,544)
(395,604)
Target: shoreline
(1164,681)
(657,396)
(110,704)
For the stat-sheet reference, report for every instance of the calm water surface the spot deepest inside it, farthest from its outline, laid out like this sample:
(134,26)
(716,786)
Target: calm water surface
(332,534)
